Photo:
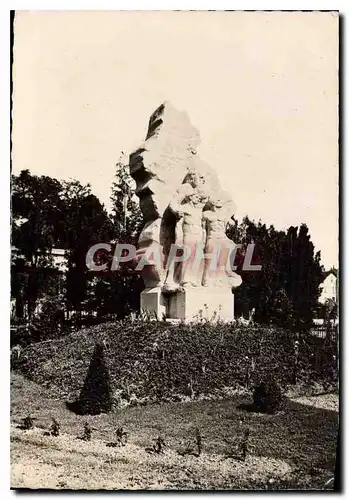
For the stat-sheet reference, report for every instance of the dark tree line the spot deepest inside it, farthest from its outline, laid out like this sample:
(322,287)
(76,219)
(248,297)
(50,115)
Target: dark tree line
(286,289)
(48,214)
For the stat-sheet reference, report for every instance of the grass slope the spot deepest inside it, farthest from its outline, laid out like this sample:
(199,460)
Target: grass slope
(154,361)
(293,449)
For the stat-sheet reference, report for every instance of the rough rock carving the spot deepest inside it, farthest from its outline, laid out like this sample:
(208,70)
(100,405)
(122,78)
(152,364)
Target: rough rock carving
(183,204)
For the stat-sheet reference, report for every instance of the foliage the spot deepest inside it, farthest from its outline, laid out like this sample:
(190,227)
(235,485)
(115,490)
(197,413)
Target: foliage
(198,441)
(156,361)
(267,396)
(48,320)
(158,446)
(27,423)
(86,224)
(36,206)
(95,396)
(121,436)
(330,310)
(87,432)
(286,290)
(124,288)
(50,214)
(55,428)
(30,284)
(126,215)
(296,447)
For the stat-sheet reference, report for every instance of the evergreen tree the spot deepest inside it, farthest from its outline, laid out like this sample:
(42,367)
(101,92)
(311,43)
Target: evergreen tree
(125,287)
(85,224)
(126,214)
(286,290)
(36,210)
(96,394)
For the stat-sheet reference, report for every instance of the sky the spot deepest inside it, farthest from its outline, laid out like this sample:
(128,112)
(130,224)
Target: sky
(262,89)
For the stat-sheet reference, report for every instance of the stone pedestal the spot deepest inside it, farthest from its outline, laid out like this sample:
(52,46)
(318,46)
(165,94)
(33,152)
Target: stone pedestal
(194,304)
(191,304)
(154,303)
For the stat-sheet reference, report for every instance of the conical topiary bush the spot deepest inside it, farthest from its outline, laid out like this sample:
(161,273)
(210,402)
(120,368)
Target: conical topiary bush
(95,397)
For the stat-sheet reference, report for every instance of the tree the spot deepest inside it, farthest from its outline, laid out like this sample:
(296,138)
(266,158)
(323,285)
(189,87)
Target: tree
(303,274)
(36,208)
(126,214)
(286,290)
(47,213)
(85,224)
(127,219)
(48,317)
(96,394)
(329,311)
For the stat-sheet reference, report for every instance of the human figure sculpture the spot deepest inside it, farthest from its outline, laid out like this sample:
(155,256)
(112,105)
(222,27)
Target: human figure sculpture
(218,247)
(189,236)
(159,166)
(184,209)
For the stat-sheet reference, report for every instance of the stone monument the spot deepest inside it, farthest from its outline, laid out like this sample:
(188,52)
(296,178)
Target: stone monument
(185,255)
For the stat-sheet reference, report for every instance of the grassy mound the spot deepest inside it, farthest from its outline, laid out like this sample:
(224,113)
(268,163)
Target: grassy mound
(152,361)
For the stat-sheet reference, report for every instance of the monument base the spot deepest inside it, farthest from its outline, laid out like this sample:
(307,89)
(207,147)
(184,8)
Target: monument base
(191,304)
(154,303)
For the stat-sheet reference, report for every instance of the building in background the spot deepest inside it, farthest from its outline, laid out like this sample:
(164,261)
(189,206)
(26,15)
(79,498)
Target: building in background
(58,256)
(19,296)
(328,300)
(329,287)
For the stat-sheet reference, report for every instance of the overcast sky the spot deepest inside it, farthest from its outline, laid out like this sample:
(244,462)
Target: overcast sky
(260,87)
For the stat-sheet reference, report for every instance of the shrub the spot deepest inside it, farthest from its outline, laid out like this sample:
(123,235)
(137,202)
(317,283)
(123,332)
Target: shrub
(267,396)
(27,423)
(55,428)
(48,321)
(95,396)
(87,432)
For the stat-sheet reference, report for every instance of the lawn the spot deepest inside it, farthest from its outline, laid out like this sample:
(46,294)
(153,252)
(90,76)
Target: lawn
(293,449)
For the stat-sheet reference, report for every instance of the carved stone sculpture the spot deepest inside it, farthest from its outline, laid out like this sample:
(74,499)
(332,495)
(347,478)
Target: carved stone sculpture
(184,208)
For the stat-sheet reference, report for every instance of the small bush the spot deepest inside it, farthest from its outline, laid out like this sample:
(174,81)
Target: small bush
(27,423)
(55,428)
(158,447)
(48,321)
(267,396)
(87,432)
(198,441)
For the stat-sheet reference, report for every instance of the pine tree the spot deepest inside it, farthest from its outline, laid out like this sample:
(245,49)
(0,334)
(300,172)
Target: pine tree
(126,214)
(96,395)
(286,290)
(125,287)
